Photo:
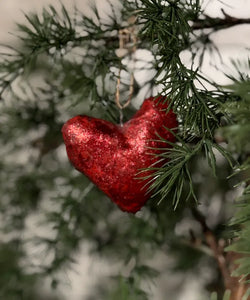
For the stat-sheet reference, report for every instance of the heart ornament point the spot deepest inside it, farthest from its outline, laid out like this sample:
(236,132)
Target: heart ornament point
(111,156)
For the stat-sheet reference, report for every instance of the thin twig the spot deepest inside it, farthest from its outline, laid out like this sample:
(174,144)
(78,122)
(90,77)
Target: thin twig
(219,23)
(216,247)
(234,284)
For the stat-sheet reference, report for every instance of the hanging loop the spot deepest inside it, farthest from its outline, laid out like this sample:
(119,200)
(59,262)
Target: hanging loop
(127,44)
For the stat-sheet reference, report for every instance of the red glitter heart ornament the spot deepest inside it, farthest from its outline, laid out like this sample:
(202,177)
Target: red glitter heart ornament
(112,155)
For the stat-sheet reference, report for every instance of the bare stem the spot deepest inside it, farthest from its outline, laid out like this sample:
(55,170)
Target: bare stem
(219,23)
(225,261)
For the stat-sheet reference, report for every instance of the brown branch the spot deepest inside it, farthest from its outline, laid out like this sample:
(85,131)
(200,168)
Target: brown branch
(217,247)
(225,261)
(219,23)
(239,285)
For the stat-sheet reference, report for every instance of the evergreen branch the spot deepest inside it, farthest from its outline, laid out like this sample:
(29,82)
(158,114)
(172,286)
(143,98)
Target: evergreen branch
(51,34)
(52,30)
(88,73)
(238,136)
(164,24)
(198,109)
(226,296)
(237,133)
(242,220)
(173,177)
(127,289)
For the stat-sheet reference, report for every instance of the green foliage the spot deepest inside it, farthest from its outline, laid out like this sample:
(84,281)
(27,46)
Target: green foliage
(75,61)
(227,294)
(87,77)
(127,290)
(15,282)
(225,297)
(238,136)
(238,133)
(50,40)
(174,174)
(167,25)
(51,30)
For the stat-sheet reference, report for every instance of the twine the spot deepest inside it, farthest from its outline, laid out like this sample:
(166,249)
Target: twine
(125,36)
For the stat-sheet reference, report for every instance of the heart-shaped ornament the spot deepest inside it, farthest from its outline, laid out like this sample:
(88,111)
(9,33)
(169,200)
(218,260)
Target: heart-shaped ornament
(113,155)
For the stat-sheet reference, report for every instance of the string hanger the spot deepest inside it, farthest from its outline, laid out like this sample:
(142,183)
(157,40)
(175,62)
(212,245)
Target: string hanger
(127,45)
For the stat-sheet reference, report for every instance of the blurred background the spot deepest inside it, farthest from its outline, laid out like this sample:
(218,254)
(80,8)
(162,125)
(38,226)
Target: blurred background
(93,262)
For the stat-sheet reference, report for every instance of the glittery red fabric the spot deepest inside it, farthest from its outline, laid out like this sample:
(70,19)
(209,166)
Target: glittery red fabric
(112,156)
